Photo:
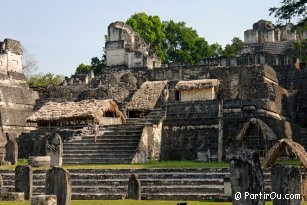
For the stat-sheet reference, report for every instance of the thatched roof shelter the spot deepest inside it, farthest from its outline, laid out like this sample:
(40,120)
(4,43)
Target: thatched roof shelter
(92,109)
(276,150)
(147,96)
(197,84)
(267,132)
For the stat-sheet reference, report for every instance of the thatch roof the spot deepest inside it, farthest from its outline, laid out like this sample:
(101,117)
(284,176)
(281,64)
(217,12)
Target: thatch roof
(197,84)
(55,111)
(267,132)
(275,151)
(147,96)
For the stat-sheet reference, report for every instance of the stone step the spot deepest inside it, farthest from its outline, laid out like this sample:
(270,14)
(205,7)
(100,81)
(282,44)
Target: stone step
(103,151)
(97,155)
(103,143)
(102,139)
(184,196)
(100,147)
(97,160)
(124,182)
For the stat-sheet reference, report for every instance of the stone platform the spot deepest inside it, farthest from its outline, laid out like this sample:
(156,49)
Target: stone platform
(156,184)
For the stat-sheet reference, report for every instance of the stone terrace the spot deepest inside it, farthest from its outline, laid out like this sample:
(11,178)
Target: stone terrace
(157,184)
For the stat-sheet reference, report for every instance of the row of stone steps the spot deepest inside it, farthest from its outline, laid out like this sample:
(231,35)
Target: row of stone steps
(116,144)
(157,184)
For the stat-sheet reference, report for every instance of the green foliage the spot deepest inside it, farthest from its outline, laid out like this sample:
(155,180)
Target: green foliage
(232,49)
(44,80)
(183,44)
(216,50)
(290,9)
(171,41)
(97,65)
(151,30)
(82,69)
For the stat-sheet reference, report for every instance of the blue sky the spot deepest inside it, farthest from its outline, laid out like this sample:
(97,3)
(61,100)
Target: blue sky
(61,34)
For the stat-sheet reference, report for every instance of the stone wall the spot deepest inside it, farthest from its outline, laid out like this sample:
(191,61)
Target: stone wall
(16,98)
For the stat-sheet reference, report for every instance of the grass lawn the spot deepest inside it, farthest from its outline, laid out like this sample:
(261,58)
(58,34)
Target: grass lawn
(132,202)
(151,164)
(123,202)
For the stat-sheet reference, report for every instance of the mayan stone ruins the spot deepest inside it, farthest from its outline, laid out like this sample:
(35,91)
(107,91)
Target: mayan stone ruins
(249,111)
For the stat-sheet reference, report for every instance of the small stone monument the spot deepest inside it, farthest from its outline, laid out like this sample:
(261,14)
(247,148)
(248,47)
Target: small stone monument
(134,187)
(44,200)
(39,161)
(246,177)
(54,149)
(11,148)
(285,180)
(58,183)
(24,180)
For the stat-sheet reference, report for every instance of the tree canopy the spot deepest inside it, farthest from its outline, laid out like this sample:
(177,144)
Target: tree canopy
(290,9)
(172,41)
(82,68)
(232,49)
(41,80)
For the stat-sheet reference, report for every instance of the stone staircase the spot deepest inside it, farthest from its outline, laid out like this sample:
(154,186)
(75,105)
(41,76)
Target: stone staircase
(116,145)
(157,184)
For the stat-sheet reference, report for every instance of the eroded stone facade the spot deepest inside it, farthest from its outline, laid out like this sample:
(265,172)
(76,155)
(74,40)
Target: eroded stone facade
(126,47)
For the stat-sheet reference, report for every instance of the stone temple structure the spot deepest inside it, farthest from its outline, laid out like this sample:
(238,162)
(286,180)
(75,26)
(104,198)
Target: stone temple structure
(16,98)
(126,47)
(174,112)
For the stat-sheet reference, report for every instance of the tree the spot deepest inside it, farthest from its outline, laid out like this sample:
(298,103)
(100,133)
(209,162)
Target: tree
(216,50)
(151,30)
(183,44)
(82,69)
(171,41)
(290,9)
(232,49)
(41,80)
(29,64)
(98,65)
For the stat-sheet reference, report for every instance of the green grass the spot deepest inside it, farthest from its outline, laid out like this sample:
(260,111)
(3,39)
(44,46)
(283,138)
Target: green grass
(122,202)
(151,164)
(132,202)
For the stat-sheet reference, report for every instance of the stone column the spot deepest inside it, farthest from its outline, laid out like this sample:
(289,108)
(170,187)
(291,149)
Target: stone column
(11,148)
(58,183)
(285,180)
(24,180)
(44,200)
(246,177)
(134,187)
(54,149)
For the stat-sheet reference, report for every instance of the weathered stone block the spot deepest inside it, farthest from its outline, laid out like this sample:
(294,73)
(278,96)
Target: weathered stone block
(227,187)
(285,180)
(11,148)
(12,196)
(44,200)
(39,161)
(134,187)
(58,183)
(24,180)
(246,177)
(1,182)
(54,149)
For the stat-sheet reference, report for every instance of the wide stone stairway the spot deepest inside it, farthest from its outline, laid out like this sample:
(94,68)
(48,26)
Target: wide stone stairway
(116,144)
(157,184)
